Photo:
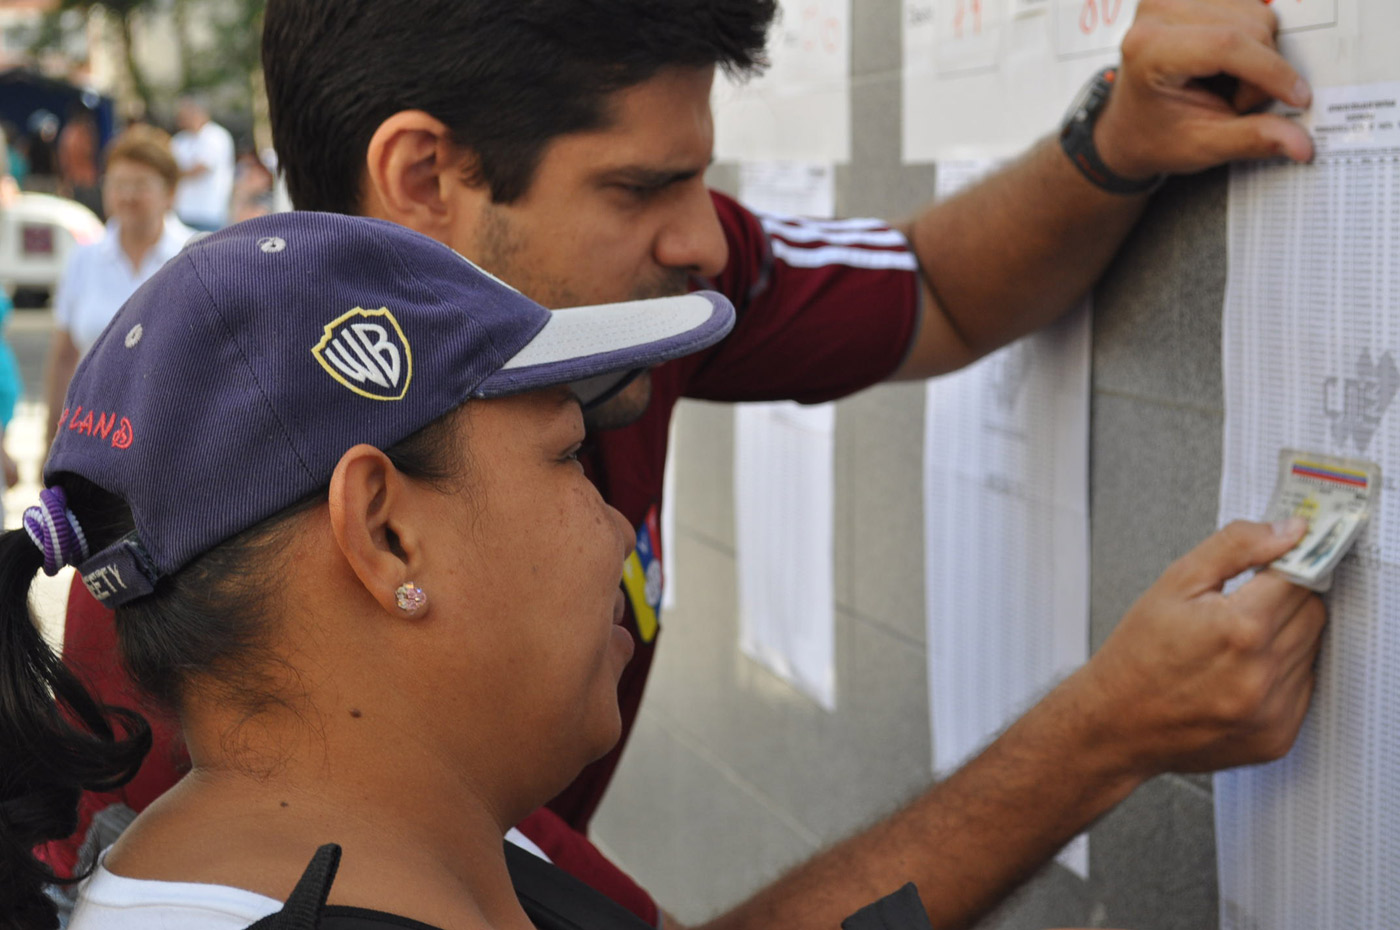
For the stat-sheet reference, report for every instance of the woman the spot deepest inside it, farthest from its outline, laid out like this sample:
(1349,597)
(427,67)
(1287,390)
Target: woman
(324,469)
(138,195)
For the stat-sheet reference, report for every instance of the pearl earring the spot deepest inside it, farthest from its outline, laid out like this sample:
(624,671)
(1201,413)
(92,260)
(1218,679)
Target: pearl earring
(410,597)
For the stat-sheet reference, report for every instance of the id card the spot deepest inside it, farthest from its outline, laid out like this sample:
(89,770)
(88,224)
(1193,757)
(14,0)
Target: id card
(1336,496)
(642,576)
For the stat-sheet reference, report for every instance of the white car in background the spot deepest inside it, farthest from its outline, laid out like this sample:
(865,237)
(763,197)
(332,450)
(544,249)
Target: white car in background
(37,231)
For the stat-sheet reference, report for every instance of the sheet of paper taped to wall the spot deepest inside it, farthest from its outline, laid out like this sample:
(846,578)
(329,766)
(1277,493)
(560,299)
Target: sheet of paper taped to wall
(1336,496)
(784,487)
(1006,539)
(1310,342)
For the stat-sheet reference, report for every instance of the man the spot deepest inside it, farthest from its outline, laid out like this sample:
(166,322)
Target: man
(562,146)
(204,151)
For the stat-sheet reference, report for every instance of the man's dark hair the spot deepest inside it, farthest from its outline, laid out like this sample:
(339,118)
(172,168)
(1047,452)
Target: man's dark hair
(506,76)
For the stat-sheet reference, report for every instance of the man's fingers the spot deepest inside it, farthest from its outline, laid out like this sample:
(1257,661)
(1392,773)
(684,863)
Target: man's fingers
(1294,696)
(1297,639)
(1227,552)
(1302,636)
(1202,51)
(1259,135)
(1270,593)
(1248,98)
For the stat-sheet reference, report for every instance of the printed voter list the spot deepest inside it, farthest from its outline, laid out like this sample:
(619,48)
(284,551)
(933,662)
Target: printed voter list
(1311,342)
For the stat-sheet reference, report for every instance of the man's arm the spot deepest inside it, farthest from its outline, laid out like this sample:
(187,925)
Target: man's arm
(1191,680)
(1014,252)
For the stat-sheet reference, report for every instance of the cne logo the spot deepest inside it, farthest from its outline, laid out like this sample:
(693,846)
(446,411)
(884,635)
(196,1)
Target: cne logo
(366,351)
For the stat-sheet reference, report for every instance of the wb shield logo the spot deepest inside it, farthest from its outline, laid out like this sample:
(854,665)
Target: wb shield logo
(366,351)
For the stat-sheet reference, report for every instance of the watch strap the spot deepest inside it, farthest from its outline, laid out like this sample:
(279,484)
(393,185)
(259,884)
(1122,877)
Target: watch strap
(1077,140)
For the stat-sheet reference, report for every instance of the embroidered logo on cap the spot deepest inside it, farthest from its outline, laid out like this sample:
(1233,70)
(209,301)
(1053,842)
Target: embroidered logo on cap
(366,351)
(99,427)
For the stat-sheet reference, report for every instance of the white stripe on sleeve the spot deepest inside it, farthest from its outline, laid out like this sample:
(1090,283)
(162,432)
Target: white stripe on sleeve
(812,233)
(842,255)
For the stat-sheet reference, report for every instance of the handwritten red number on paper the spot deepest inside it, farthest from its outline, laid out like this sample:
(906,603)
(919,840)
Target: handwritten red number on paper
(1089,15)
(818,32)
(810,14)
(960,17)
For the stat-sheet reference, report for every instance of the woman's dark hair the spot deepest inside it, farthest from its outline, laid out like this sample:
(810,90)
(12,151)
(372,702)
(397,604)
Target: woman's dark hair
(55,742)
(206,626)
(506,76)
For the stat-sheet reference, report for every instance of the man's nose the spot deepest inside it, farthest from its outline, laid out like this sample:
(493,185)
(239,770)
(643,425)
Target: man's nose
(692,239)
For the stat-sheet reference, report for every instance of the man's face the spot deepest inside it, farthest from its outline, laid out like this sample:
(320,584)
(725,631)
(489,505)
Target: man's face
(614,214)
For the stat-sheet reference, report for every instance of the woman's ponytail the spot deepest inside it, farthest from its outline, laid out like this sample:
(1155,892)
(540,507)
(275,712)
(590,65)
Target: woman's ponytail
(55,742)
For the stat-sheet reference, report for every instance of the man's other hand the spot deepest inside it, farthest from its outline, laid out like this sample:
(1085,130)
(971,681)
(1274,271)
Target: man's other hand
(1197,680)
(1194,75)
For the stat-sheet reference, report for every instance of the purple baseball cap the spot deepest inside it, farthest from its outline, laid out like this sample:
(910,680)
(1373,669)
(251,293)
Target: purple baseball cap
(230,384)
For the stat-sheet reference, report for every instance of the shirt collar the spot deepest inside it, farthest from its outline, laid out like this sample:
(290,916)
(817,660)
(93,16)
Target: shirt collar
(172,239)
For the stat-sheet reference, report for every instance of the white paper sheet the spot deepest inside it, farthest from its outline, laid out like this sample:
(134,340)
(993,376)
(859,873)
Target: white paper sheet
(783,523)
(987,78)
(1311,340)
(1340,42)
(788,188)
(1006,476)
(668,522)
(783,489)
(800,109)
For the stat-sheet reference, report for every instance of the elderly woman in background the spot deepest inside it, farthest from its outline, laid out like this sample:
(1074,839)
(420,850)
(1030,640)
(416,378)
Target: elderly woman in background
(138,194)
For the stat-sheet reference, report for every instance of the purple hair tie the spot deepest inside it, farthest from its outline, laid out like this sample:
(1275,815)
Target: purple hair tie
(55,531)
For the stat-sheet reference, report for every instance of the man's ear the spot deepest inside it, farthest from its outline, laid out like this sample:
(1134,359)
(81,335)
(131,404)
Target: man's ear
(414,174)
(372,519)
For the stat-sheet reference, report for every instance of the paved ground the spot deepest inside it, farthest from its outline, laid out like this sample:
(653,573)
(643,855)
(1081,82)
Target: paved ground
(28,335)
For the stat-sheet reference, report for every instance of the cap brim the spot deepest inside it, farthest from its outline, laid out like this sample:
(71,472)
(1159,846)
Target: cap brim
(595,348)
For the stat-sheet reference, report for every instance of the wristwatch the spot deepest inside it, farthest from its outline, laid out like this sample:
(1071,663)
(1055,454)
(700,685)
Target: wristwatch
(1077,139)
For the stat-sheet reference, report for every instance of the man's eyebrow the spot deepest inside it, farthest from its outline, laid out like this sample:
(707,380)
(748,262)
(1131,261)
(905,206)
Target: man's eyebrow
(648,177)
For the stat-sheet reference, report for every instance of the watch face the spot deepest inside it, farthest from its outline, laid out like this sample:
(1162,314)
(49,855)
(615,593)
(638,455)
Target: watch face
(1090,100)
(1077,139)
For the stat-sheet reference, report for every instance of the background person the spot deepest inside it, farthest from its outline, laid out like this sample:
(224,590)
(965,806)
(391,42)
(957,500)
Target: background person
(11,385)
(40,149)
(253,188)
(204,151)
(142,234)
(574,169)
(17,164)
(77,160)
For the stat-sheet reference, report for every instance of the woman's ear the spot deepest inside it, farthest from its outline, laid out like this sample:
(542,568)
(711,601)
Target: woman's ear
(373,520)
(414,173)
